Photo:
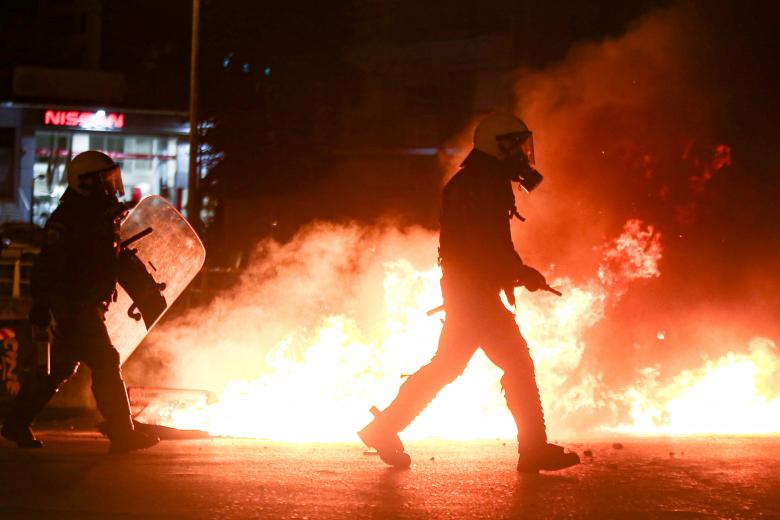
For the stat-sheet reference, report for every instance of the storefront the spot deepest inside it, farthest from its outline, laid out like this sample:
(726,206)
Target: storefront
(38,141)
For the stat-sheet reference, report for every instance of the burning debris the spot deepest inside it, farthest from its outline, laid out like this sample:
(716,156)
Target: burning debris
(345,350)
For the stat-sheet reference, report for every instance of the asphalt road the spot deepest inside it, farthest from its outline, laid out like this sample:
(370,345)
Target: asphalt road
(73,477)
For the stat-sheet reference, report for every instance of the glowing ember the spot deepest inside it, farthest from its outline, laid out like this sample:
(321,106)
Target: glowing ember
(334,357)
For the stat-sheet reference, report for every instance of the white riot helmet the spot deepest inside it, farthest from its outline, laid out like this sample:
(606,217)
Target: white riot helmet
(499,134)
(95,173)
(509,140)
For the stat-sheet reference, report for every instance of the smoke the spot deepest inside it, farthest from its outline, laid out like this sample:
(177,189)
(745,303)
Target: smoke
(641,127)
(632,135)
(325,270)
(623,128)
(322,326)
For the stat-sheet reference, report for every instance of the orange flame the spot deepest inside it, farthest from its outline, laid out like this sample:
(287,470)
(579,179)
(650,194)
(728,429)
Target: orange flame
(318,380)
(735,394)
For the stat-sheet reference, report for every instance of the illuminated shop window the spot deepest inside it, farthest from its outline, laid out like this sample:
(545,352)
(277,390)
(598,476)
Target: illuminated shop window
(52,153)
(148,164)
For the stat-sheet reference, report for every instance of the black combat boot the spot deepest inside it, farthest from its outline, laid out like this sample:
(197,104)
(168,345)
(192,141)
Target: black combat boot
(124,440)
(21,434)
(385,441)
(111,398)
(546,457)
(32,399)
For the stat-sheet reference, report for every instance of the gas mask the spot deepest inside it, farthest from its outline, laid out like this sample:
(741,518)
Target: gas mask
(518,152)
(525,174)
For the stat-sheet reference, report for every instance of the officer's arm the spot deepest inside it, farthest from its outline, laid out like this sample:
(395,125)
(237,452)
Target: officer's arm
(517,272)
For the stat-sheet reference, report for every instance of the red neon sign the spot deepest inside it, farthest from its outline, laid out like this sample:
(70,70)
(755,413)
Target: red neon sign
(99,120)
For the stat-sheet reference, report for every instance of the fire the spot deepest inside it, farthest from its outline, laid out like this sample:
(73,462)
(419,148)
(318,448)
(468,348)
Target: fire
(335,358)
(735,394)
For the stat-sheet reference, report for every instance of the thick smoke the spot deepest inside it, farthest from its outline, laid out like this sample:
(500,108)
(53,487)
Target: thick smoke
(325,270)
(623,128)
(324,325)
(640,127)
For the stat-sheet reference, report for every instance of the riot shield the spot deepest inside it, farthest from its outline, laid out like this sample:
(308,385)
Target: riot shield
(161,254)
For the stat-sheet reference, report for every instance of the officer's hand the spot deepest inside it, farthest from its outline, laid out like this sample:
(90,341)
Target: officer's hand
(532,279)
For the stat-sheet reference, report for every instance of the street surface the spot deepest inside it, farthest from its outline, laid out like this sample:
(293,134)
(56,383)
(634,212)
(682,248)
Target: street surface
(73,477)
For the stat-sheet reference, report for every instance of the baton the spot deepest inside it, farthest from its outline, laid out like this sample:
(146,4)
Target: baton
(135,238)
(546,287)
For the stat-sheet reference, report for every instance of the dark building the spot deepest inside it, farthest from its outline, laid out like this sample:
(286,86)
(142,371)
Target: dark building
(59,97)
(61,94)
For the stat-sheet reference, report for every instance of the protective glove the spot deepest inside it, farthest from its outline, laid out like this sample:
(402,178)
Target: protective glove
(532,279)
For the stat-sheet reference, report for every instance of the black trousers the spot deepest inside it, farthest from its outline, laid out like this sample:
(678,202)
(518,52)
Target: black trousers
(80,336)
(476,319)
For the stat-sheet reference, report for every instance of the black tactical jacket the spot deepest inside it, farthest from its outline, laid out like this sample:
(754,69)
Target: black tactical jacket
(78,262)
(475,243)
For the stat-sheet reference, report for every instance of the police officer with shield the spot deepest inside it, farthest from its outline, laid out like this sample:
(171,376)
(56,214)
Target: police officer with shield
(73,283)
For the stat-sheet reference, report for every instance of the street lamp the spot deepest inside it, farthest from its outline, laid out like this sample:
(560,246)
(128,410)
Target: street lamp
(193,197)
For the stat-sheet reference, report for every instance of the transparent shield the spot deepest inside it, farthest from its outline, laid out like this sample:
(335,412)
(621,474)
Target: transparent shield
(172,254)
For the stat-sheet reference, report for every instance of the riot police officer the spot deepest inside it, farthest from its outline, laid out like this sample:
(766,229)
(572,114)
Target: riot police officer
(73,282)
(478,261)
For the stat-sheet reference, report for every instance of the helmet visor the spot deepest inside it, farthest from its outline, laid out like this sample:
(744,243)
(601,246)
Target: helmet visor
(519,142)
(112,180)
(107,181)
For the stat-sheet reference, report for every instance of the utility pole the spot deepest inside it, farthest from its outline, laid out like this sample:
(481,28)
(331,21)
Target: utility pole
(193,193)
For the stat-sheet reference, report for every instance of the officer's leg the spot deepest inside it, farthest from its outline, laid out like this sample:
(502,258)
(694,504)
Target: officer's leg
(507,348)
(37,390)
(453,354)
(109,390)
(108,387)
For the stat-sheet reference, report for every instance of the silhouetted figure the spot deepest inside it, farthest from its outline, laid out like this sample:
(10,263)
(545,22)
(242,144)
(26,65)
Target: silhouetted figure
(73,282)
(478,261)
